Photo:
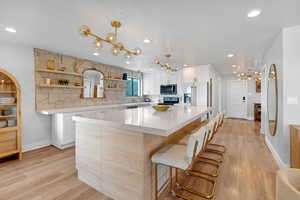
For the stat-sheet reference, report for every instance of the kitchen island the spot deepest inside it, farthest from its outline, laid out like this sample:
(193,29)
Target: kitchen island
(113,148)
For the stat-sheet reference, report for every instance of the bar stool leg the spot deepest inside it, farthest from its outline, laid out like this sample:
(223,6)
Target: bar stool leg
(171,177)
(155,181)
(176,175)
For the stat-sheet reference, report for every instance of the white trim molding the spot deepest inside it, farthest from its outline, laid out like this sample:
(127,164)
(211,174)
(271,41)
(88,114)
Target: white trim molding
(38,145)
(275,154)
(250,118)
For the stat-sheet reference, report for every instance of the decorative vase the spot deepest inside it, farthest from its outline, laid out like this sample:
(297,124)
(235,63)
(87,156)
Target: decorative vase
(124,77)
(51,65)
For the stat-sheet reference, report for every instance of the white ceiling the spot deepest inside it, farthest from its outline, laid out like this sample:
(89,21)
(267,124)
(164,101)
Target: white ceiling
(196,32)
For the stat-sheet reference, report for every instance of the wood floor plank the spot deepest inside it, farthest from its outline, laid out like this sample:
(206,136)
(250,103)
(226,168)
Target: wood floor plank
(248,171)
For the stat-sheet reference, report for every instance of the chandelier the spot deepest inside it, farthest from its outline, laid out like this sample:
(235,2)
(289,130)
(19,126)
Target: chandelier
(111,38)
(249,76)
(166,66)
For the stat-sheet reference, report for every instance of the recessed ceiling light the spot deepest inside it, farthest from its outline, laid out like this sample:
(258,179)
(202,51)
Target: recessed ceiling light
(96,54)
(10,29)
(147,40)
(233,66)
(230,55)
(254,13)
(127,62)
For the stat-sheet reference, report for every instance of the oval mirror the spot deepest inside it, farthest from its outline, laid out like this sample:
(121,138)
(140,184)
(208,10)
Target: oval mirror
(93,83)
(272,99)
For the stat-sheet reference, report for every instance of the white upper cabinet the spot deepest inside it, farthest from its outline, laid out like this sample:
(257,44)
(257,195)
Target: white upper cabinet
(149,87)
(153,80)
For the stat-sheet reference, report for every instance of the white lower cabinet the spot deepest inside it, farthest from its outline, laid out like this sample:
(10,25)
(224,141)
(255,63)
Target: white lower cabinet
(63,127)
(63,130)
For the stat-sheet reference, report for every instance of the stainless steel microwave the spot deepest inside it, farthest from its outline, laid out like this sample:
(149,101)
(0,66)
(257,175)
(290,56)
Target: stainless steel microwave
(170,89)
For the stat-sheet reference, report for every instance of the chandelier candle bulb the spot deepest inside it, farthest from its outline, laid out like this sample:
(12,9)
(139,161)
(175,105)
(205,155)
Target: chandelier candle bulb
(138,51)
(115,51)
(127,56)
(85,31)
(111,37)
(98,44)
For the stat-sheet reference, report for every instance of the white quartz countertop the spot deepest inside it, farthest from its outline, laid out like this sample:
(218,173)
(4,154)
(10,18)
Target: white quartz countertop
(146,119)
(90,108)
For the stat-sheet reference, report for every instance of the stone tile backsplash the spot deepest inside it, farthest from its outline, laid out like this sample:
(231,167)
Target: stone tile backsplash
(51,98)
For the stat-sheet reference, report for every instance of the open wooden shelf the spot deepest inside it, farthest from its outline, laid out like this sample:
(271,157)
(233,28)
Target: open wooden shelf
(113,79)
(59,72)
(115,89)
(8,129)
(60,86)
(10,139)
(7,116)
(8,104)
(8,92)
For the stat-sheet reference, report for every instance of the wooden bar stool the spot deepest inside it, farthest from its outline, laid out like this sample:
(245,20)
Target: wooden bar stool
(201,156)
(210,128)
(212,124)
(182,157)
(220,120)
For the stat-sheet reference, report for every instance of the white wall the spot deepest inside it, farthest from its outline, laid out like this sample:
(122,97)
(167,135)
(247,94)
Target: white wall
(19,61)
(284,52)
(291,74)
(278,144)
(217,92)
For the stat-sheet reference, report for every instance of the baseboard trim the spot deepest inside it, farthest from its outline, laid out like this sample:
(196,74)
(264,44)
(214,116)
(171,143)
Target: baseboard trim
(275,154)
(38,145)
(64,146)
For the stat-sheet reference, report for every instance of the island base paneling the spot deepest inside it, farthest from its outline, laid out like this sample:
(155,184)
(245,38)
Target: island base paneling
(116,162)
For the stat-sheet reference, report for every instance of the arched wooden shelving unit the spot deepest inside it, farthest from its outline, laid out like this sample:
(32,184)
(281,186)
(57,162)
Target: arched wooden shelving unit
(10,136)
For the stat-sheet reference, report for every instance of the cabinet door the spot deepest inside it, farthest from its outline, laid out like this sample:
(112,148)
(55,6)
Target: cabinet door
(152,82)
(148,84)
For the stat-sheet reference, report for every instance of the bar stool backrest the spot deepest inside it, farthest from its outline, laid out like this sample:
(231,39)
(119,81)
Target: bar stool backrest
(195,143)
(210,129)
(216,125)
(222,119)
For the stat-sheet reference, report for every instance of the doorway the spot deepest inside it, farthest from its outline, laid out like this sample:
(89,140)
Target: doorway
(237,99)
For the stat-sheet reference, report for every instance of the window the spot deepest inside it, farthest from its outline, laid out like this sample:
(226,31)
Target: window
(133,87)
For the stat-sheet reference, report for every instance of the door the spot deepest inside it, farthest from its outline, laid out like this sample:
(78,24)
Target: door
(237,99)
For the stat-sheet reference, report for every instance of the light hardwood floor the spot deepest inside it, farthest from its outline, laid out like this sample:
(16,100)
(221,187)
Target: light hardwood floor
(248,171)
